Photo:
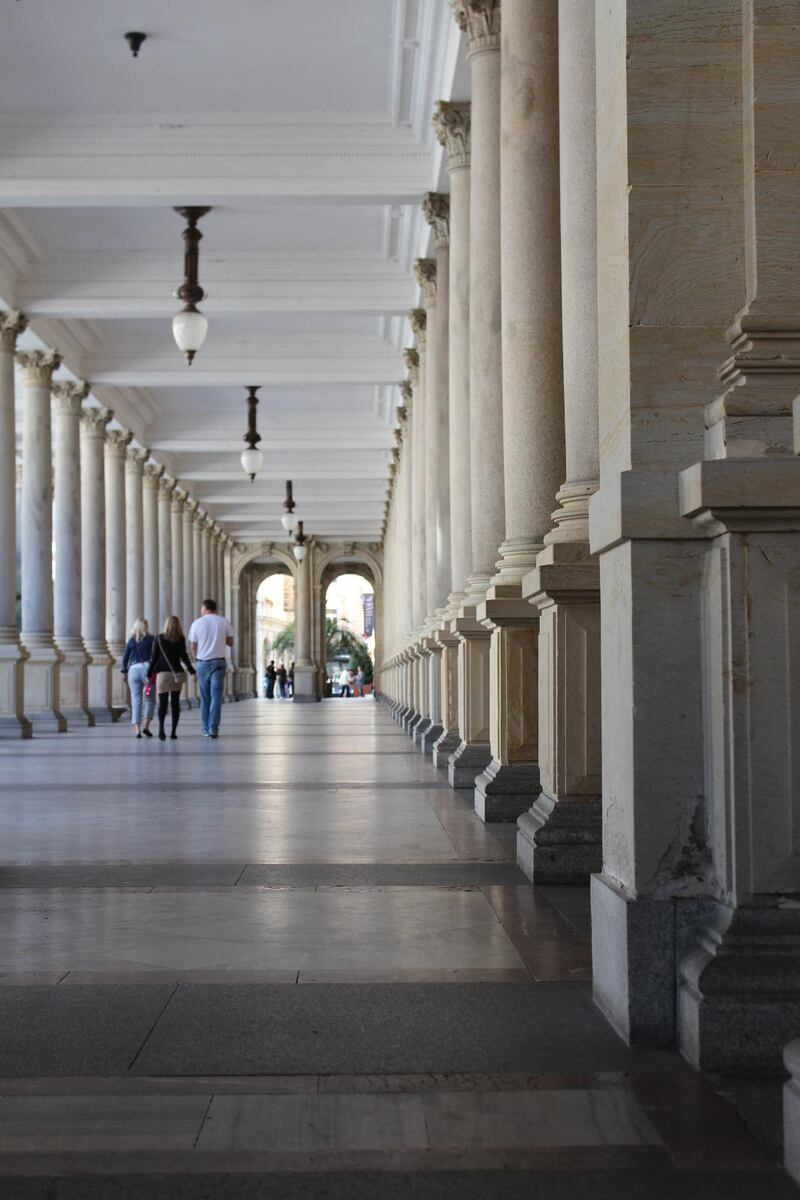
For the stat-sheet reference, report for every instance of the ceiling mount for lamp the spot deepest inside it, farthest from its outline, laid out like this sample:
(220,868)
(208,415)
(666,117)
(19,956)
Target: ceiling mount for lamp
(299,546)
(252,458)
(135,40)
(289,520)
(189,326)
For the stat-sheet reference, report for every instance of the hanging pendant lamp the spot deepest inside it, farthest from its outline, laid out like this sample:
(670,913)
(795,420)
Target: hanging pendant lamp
(189,326)
(252,458)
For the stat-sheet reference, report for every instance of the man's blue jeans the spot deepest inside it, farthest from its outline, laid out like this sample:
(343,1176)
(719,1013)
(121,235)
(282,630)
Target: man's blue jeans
(211,677)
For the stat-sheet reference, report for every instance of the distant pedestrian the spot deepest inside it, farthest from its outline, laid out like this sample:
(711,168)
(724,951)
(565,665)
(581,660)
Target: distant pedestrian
(270,677)
(283,676)
(138,649)
(344,682)
(291,679)
(359,682)
(209,636)
(166,669)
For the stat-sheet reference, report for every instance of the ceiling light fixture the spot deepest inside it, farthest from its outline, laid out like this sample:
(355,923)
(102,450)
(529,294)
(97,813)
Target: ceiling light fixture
(189,326)
(252,458)
(289,520)
(135,41)
(299,546)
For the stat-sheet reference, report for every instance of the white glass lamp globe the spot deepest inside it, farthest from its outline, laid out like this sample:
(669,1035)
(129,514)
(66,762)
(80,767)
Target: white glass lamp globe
(252,462)
(189,328)
(289,522)
(299,551)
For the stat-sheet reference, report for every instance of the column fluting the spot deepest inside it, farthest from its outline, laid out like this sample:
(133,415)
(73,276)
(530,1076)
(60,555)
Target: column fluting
(13,722)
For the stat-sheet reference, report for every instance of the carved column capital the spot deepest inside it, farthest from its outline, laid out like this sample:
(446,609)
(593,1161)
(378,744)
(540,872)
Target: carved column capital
(425,272)
(94,421)
(136,458)
(189,508)
(418,321)
(436,209)
(117,441)
(166,486)
(152,474)
(411,359)
(179,497)
(480,20)
(12,324)
(452,122)
(69,396)
(38,366)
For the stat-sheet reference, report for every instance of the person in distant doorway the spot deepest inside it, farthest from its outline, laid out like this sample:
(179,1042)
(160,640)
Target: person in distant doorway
(270,676)
(283,676)
(344,682)
(359,682)
(165,667)
(138,649)
(209,637)
(291,679)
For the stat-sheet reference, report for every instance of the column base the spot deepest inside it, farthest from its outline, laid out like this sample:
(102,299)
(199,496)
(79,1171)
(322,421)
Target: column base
(42,698)
(304,689)
(119,692)
(429,738)
(13,722)
(791,1111)
(98,677)
(411,721)
(72,685)
(420,729)
(466,763)
(739,989)
(561,841)
(504,791)
(444,748)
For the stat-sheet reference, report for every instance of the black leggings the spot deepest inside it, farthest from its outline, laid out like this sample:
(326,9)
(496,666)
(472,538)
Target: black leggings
(174,700)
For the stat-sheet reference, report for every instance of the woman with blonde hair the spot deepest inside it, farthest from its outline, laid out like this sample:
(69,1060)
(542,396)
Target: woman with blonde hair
(138,649)
(165,669)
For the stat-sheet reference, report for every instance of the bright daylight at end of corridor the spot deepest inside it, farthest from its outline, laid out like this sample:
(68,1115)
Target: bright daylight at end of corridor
(399,600)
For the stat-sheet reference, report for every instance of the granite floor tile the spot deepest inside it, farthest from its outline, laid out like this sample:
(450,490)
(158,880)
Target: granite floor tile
(45,1124)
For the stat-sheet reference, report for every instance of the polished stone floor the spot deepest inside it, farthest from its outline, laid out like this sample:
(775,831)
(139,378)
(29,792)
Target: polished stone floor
(293,963)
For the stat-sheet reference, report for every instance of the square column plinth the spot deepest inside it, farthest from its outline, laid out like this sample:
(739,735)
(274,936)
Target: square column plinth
(42,692)
(473,754)
(13,722)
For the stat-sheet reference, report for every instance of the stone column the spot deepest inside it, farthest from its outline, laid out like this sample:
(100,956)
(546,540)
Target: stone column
(304,688)
(166,486)
(452,124)
(197,554)
(176,514)
(533,398)
(134,537)
(419,589)
(415,411)
(205,557)
(93,562)
(152,474)
(560,838)
(13,722)
(116,446)
(188,606)
(42,695)
(67,400)
(220,568)
(425,270)
(480,19)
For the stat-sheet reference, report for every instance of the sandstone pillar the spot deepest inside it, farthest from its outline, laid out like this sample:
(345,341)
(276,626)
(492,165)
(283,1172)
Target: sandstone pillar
(304,682)
(452,123)
(134,537)
(116,445)
(176,521)
(152,474)
(42,696)
(166,486)
(188,593)
(73,683)
(205,558)
(481,21)
(197,554)
(13,722)
(93,562)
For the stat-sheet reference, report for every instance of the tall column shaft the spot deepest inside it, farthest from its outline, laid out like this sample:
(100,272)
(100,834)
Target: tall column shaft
(152,474)
(73,682)
(42,697)
(165,488)
(93,561)
(13,722)
(197,555)
(116,446)
(134,537)
(188,603)
(418,515)
(205,560)
(304,690)
(176,515)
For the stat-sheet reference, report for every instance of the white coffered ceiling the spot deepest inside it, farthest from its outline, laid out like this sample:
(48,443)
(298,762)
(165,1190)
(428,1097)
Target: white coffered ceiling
(306,124)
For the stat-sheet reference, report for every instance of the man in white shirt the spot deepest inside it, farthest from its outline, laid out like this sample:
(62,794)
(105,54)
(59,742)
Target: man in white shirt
(208,638)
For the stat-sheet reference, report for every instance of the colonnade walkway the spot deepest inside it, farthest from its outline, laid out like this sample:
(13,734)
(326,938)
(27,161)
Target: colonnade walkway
(293,963)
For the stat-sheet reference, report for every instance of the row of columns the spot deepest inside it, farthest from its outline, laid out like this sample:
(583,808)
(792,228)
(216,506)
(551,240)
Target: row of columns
(105,537)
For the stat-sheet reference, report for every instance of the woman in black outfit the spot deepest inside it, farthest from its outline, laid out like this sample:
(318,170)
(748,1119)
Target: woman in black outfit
(165,665)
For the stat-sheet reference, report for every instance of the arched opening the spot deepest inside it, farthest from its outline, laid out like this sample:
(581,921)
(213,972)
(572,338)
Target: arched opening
(348,625)
(274,624)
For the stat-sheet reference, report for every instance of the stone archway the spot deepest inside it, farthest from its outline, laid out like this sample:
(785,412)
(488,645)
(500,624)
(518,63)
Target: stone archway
(330,561)
(251,566)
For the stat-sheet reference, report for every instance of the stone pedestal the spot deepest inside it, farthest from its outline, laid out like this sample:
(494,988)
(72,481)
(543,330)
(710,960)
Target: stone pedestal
(13,722)
(473,753)
(304,685)
(449,739)
(420,727)
(42,679)
(791,1110)
(73,683)
(560,839)
(428,739)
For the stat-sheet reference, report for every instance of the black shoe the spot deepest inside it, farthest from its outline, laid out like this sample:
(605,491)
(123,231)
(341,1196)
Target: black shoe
(138,735)
(146,733)
(162,737)
(173,737)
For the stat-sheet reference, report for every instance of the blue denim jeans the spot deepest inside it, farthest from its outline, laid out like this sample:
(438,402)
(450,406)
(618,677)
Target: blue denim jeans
(137,678)
(211,677)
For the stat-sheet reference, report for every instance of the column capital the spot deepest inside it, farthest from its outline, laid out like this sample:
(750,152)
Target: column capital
(179,497)
(418,320)
(117,442)
(189,507)
(152,474)
(411,359)
(94,421)
(407,393)
(38,366)
(137,456)
(69,396)
(452,122)
(480,20)
(425,272)
(12,324)
(166,486)
(436,210)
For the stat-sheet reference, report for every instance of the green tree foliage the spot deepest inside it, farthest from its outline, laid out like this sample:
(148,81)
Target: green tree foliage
(339,640)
